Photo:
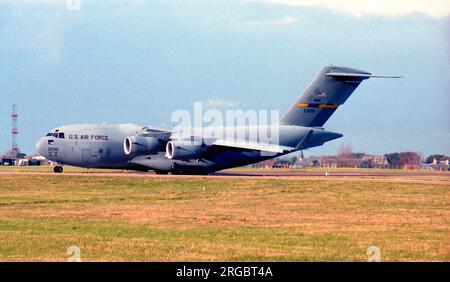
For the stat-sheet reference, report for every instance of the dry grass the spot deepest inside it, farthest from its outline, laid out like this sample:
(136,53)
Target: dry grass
(208,218)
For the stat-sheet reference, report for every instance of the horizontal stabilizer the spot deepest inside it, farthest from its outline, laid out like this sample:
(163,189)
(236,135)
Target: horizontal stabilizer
(360,75)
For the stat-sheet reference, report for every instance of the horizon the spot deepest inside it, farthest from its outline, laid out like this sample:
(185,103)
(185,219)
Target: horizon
(137,62)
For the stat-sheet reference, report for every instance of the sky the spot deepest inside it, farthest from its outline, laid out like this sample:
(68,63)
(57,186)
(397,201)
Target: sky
(138,61)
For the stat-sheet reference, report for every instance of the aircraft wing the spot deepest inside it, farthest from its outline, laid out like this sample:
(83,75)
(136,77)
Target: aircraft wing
(252,146)
(155,129)
(273,148)
(158,132)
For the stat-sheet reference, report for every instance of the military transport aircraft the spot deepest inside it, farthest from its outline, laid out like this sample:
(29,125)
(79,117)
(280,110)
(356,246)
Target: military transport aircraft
(134,147)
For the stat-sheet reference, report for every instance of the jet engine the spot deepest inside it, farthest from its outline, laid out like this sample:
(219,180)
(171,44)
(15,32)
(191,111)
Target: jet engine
(183,150)
(141,145)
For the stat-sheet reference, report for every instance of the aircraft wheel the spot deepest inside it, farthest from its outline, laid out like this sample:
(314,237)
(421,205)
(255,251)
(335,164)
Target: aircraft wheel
(161,172)
(58,169)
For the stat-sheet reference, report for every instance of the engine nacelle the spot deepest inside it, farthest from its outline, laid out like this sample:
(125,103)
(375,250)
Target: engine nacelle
(141,145)
(183,150)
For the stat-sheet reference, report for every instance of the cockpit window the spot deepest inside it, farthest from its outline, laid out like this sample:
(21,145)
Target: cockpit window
(56,134)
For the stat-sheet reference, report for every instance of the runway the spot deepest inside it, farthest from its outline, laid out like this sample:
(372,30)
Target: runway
(331,173)
(260,174)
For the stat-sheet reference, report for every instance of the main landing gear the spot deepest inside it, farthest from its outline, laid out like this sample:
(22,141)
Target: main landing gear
(58,169)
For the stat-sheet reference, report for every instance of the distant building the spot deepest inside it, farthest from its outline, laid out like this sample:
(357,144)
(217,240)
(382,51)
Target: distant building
(398,160)
(442,164)
(38,160)
(281,164)
(264,164)
(339,162)
(410,160)
(29,161)
(327,162)
(374,161)
(8,160)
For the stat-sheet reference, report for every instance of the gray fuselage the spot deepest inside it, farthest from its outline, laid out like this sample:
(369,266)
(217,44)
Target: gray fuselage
(102,146)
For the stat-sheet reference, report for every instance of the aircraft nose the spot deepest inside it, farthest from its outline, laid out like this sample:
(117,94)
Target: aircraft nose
(40,146)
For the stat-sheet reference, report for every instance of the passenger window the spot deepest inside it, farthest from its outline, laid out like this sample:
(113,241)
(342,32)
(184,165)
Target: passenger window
(61,135)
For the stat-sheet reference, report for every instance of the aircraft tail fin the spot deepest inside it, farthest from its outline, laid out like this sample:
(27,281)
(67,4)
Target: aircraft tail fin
(331,88)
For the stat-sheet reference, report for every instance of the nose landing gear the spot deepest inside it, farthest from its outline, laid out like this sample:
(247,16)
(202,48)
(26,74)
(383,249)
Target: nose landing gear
(57,169)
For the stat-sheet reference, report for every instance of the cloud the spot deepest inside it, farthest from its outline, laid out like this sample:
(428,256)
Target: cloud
(49,41)
(435,8)
(214,103)
(41,35)
(271,22)
(34,2)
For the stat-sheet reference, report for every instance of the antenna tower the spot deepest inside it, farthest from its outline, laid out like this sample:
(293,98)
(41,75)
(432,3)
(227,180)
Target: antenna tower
(14,132)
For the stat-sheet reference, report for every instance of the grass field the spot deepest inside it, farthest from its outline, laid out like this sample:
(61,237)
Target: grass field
(223,218)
